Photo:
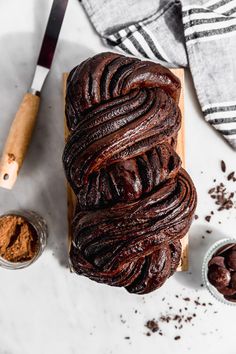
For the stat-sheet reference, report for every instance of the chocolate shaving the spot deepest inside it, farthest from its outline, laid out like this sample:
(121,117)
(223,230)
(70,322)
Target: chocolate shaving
(152,325)
(223,198)
(223,166)
(177,320)
(231,176)
(186,299)
(211,190)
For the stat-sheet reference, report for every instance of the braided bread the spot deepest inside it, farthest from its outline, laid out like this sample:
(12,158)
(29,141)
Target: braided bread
(134,201)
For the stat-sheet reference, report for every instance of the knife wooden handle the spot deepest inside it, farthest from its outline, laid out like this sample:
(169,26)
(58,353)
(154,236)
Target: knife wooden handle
(18,140)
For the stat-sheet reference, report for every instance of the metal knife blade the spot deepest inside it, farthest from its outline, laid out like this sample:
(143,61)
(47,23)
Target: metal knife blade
(49,43)
(22,127)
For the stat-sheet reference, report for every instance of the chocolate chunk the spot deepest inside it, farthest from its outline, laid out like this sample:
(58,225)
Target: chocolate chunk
(218,276)
(222,271)
(231,259)
(222,250)
(233,280)
(223,166)
(208,218)
(230,298)
(217,260)
(227,291)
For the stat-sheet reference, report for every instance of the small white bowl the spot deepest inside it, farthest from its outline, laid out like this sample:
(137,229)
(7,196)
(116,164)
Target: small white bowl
(212,250)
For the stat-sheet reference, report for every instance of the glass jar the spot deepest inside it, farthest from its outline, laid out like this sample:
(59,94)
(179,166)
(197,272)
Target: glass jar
(40,227)
(212,250)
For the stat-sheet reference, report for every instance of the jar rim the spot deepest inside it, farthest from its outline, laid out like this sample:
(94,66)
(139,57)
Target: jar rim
(40,227)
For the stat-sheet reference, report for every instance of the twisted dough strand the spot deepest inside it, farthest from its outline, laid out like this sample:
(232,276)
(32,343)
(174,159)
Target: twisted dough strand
(135,202)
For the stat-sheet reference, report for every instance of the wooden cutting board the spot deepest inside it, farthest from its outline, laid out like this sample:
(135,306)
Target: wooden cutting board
(71,199)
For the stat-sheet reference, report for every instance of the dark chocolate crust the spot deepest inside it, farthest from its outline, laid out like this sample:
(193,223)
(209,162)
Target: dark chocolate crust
(135,202)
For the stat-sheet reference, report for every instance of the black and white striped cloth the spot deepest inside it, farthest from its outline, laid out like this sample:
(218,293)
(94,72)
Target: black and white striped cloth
(198,34)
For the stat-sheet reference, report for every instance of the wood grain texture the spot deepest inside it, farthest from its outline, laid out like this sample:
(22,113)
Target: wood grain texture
(181,152)
(18,140)
(71,199)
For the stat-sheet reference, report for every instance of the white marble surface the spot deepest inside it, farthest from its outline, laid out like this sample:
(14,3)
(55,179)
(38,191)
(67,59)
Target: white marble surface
(46,309)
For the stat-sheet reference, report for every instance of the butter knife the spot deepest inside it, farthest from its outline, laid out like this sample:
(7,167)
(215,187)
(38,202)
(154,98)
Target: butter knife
(21,129)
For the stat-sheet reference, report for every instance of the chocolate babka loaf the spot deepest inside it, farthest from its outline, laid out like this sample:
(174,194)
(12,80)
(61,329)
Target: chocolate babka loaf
(134,201)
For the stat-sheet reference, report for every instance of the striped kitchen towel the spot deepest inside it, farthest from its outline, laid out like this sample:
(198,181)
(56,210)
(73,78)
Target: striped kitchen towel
(198,34)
